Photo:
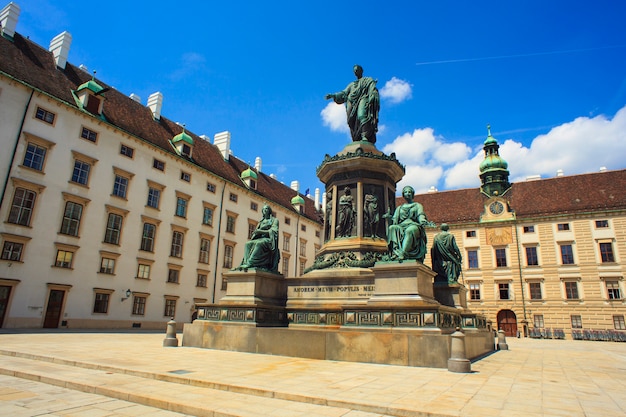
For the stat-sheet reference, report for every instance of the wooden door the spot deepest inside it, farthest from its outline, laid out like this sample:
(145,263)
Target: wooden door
(5,293)
(507,321)
(53,311)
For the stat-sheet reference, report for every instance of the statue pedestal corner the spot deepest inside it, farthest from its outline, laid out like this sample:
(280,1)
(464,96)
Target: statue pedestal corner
(408,283)
(452,295)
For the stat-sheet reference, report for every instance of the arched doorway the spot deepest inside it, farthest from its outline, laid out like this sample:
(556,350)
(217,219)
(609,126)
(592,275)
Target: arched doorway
(507,321)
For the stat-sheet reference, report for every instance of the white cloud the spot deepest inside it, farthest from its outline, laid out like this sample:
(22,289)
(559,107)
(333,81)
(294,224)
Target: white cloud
(334,116)
(396,90)
(580,146)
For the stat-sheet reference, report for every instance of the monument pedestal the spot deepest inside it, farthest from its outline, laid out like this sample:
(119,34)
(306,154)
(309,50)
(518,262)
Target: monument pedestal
(252,297)
(453,295)
(403,284)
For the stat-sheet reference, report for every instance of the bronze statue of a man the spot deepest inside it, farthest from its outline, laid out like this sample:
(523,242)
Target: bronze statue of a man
(446,257)
(362,106)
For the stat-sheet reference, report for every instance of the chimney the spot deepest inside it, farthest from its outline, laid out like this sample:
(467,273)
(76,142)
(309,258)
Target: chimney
(8,20)
(533,177)
(602,169)
(206,138)
(433,189)
(155,102)
(135,97)
(60,48)
(222,141)
(317,198)
(295,185)
(559,172)
(273,176)
(257,164)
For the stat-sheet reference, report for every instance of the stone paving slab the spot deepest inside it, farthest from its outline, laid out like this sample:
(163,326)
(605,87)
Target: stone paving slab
(534,377)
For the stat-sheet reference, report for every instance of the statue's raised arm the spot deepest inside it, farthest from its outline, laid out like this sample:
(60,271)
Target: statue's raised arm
(362,106)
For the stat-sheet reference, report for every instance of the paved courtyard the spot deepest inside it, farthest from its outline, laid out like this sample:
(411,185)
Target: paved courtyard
(62,373)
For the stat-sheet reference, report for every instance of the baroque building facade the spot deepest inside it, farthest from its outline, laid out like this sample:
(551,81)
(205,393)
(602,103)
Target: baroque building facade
(543,257)
(111,215)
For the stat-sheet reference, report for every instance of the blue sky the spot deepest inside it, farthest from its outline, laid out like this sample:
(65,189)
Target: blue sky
(549,76)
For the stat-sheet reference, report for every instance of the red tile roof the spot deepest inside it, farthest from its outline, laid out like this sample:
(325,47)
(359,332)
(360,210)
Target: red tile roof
(34,66)
(601,191)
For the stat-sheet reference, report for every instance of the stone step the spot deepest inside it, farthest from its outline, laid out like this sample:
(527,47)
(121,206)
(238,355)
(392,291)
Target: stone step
(175,392)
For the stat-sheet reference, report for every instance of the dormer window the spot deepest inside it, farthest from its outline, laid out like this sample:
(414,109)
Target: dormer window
(183,143)
(249,177)
(89,97)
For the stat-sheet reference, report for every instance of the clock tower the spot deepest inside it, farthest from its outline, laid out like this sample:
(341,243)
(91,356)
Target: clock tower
(494,175)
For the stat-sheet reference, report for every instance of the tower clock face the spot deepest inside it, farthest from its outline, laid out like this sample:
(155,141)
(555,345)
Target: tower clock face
(496,207)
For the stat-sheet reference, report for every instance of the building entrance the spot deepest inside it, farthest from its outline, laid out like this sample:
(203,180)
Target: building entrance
(507,321)
(53,311)
(5,293)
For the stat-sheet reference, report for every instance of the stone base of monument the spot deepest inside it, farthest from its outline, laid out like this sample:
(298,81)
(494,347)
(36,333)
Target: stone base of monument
(454,295)
(386,314)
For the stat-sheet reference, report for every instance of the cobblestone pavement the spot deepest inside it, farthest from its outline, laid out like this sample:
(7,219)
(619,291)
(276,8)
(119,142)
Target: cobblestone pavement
(62,373)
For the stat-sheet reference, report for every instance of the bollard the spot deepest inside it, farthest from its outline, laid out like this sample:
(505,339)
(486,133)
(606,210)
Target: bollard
(170,336)
(502,341)
(458,361)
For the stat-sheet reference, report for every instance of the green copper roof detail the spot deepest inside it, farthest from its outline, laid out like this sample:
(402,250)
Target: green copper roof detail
(297,200)
(184,137)
(90,85)
(493,162)
(248,173)
(490,139)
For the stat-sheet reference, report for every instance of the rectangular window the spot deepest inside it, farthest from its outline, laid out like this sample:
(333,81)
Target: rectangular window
(12,251)
(207,216)
(474,291)
(567,255)
(64,259)
(45,115)
(287,220)
(170,308)
(228,257)
(501,258)
(120,186)
(571,290)
(154,197)
(606,252)
(562,227)
(177,244)
(535,290)
(531,256)
(202,278)
(254,206)
(470,233)
(286,242)
(185,176)
(80,174)
(251,229)
(538,320)
(205,245)
(147,237)
(577,321)
(88,134)
(173,275)
(139,305)
(181,207)
(113,229)
(22,207)
(160,165)
(35,156)
(503,290)
(303,227)
(472,259)
(618,322)
(71,218)
(529,229)
(107,266)
(127,151)
(143,271)
(285,266)
(302,265)
(600,224)
(101,304)
(210,187)
(612,290)
(302,248)
(230,224)
(233,197)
